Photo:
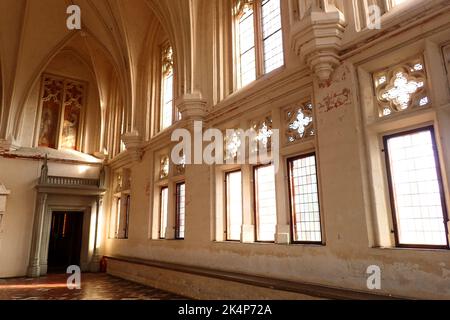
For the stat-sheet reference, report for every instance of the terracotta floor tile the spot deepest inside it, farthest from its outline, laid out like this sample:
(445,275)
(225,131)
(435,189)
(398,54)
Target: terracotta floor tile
(93,287)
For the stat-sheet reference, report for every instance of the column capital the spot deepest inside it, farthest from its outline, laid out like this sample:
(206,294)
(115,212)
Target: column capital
(133,144)
(192,106)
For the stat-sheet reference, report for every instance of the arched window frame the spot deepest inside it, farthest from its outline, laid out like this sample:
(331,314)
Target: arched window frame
(240,10)
(167,75)
(64,100)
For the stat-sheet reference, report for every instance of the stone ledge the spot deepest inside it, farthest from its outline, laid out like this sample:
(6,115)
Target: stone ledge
(302,289)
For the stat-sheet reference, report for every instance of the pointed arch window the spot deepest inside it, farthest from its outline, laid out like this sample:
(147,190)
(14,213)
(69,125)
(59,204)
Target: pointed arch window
(167,112)
(259,39)
(62,102)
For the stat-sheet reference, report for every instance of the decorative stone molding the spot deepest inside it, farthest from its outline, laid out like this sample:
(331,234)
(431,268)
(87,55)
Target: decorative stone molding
(9,144)
(44,171)
(102,177)
(192,106)
(94,265)
(34,268)
(101,155)
(317,40)
(3,197)
(133,144)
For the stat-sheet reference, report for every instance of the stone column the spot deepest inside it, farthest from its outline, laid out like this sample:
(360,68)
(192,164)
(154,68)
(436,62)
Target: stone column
(95,262)
(283,228)
(3,196)
(248,222)
(341,153)
(193,109)
(34,269)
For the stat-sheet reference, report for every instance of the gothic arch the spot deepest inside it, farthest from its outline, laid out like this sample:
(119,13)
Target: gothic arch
(176,19)
(93,50)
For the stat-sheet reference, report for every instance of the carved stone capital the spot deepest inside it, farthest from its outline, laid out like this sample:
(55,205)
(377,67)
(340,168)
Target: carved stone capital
(317,40)
(192,106)
(133,144)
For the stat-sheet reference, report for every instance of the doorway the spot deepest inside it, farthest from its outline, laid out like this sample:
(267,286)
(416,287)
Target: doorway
(65,240)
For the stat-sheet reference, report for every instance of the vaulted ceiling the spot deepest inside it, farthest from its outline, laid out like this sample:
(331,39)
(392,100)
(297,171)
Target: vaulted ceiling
(114,40)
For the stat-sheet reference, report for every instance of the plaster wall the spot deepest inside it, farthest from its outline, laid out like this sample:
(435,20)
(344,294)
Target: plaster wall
(21,176)
(357,232)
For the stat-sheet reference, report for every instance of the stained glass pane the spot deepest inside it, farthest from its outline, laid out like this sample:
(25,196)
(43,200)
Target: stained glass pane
(163,212)
(401,88)
(272,35)
(266,210)
(118,217)
(305,200)
(246,32)
(73,101)
(180,213)
(49,124)
(71,123)
(248,67)
(167,103)
(247,48)
(164,167)
(234,205)
(416,189)
(300,122)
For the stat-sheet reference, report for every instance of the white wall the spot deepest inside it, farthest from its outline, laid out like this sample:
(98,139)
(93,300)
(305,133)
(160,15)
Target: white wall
(20,177)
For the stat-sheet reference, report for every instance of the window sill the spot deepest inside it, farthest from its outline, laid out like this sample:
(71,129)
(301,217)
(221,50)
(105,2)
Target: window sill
(406,249)
(244,243)
(259,84)
(267,76)
(293,244)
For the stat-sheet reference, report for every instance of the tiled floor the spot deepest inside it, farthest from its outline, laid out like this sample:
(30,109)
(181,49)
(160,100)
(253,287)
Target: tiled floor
(93,287)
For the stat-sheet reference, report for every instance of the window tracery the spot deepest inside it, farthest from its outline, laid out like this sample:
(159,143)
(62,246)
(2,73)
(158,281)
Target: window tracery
(300,122)
(264,132)
(61,110)
(233,142)
(167,84)
(401,88)
(164,167)
(180,168)
(259,43)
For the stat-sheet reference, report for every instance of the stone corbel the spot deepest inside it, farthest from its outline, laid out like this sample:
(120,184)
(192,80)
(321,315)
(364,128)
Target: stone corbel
(3,196)
(133,144)
(192,107)
(317,40)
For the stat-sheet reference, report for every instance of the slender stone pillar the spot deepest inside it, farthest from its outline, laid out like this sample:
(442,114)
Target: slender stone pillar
(34,269)
(95,262)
